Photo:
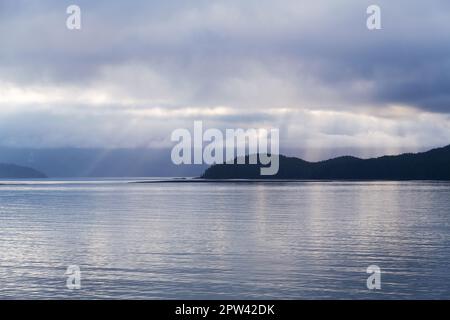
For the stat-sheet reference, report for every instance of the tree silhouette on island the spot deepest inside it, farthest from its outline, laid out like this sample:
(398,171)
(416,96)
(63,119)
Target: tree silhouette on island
(431,165)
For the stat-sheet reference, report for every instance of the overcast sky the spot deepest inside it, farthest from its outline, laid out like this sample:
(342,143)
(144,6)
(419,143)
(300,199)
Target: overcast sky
(139,69)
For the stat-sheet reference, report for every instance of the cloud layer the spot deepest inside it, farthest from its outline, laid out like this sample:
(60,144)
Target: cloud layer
(139,69)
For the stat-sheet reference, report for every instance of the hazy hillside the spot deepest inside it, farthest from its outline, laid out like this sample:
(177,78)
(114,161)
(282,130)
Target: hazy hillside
(11,171)
(84,162)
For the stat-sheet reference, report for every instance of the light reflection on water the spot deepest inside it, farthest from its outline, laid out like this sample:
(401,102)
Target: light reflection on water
(297,240)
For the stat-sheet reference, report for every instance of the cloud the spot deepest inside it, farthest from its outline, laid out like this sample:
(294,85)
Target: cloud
(142,63)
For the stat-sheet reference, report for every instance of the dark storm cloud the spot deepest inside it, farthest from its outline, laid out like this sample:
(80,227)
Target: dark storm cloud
(232,62)
(207,43)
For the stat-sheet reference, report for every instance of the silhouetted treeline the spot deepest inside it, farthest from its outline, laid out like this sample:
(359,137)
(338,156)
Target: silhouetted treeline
(431,165)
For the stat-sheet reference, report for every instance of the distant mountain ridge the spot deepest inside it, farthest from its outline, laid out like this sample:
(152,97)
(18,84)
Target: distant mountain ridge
(99,162)
(12,171)
(430,165)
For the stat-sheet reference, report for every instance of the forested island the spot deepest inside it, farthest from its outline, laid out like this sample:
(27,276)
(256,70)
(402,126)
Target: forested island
(430,165)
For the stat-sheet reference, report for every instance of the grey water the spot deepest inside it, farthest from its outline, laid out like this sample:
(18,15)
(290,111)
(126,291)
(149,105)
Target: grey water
(280,240)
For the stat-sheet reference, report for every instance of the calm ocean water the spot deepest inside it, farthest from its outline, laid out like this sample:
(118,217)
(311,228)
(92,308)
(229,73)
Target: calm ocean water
(298,240)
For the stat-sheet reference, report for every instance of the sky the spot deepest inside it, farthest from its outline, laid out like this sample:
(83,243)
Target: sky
(137,70)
